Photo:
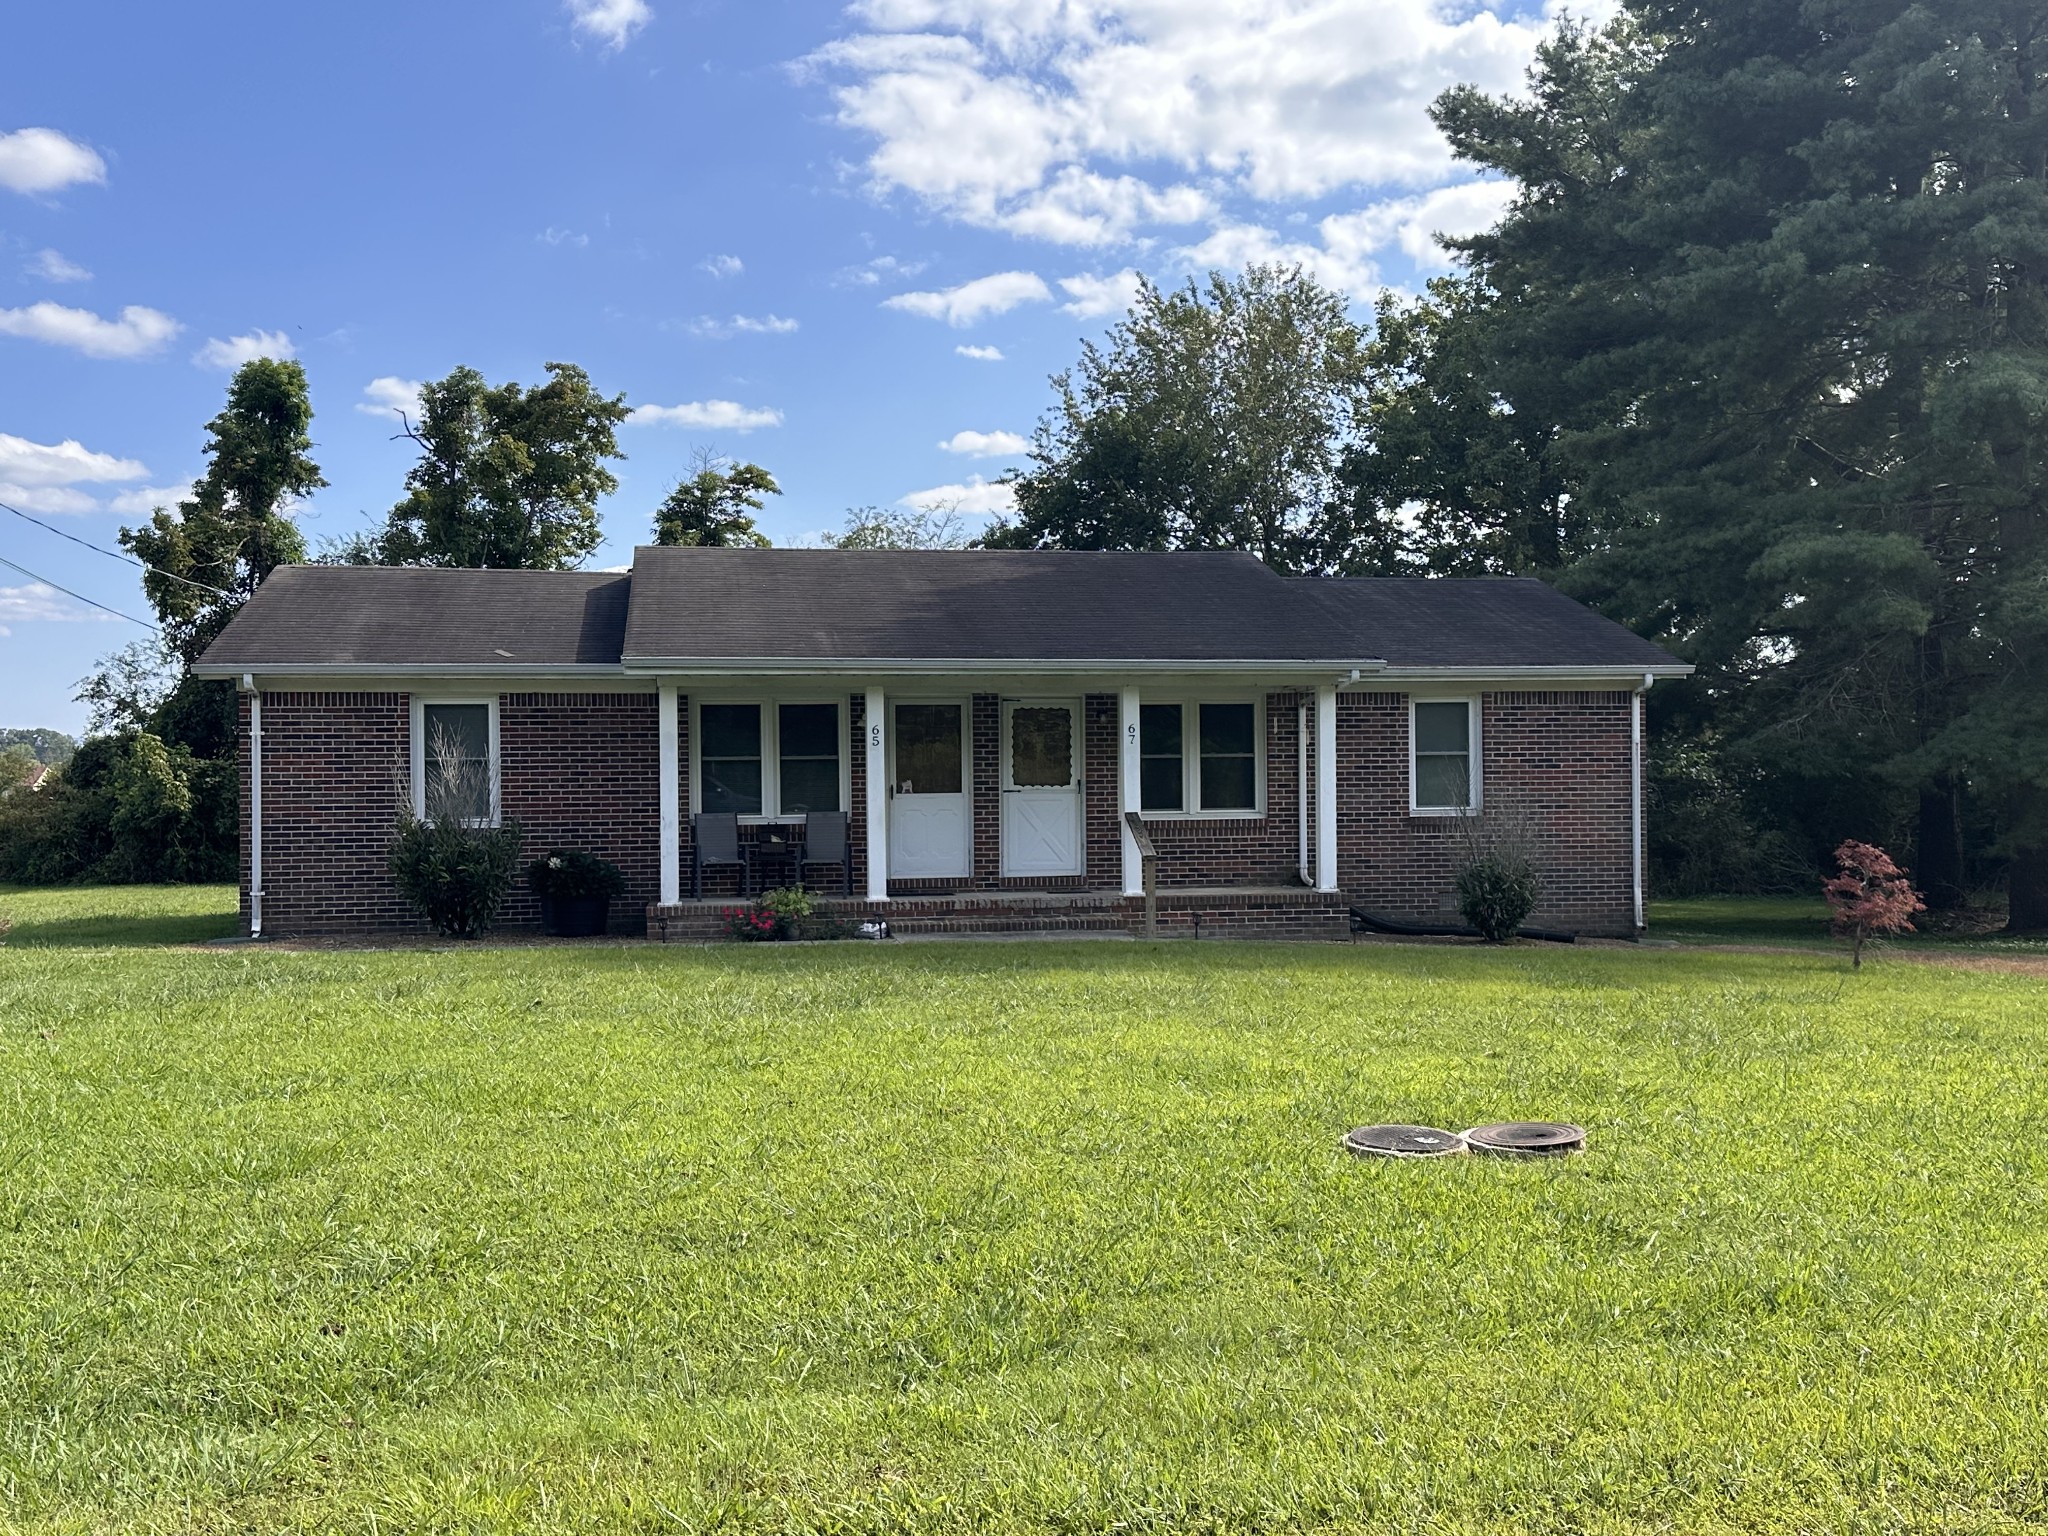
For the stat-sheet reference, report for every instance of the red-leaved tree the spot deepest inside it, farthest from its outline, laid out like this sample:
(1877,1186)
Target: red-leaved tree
(1871,895)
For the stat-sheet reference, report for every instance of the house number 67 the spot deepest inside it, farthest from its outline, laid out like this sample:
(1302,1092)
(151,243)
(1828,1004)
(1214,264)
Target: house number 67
(1131,733)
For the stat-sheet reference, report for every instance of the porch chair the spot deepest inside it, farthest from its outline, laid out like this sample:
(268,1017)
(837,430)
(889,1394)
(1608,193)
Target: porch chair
(825,842)
(715,839)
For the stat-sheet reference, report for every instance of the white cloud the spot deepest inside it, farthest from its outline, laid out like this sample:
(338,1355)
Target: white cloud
(722,266)
(872,272)
(985,445)
(40,604)
(611,22)
(67,463)
(44,160)
(556,236)
(55,267)
(237,350)
(1090,295)
(390,395)
(717,415)
(137,333)
(995,294)
(1194,123)
(47,498)
(979,496)
(740,325)
(982,354)
(145,499)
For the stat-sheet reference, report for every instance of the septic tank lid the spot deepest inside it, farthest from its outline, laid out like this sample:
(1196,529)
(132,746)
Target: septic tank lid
(1527,1138)
(1403,1141)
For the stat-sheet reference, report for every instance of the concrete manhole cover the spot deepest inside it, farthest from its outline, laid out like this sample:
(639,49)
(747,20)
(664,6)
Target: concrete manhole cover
(1403,1141)
(1527,1138)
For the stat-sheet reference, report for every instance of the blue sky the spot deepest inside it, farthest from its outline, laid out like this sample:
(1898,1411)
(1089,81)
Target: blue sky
(847,242)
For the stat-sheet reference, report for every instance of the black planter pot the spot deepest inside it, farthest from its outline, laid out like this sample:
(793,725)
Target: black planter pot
(575,917)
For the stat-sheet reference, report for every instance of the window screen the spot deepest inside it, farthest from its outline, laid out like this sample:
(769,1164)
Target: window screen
(1162,773)
(729,755)
(809,748)
(1230,755)
(1443,756)
(458,760)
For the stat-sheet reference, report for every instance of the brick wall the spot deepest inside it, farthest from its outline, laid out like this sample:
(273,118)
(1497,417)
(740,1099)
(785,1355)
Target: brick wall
(575,770)
(1240,850)
(335,766)
(583,771)
(1560,759)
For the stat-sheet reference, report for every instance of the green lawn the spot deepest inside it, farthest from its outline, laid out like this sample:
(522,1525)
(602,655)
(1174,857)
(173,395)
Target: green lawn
(1003,1238)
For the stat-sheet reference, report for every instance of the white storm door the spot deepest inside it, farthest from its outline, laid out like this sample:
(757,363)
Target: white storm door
(1041,788)
(928,812)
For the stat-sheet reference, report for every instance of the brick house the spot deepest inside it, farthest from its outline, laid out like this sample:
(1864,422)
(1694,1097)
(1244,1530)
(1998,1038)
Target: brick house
(1293,746)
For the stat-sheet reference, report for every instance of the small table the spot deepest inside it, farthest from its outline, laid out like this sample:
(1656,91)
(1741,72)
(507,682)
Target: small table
(777,844)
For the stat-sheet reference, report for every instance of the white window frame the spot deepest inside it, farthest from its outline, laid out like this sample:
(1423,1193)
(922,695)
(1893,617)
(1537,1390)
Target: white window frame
(419,752)
(1191,756)
(771,751)
(1474,750)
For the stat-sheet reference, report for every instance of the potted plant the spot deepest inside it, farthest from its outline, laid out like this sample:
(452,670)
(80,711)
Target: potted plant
(575,891)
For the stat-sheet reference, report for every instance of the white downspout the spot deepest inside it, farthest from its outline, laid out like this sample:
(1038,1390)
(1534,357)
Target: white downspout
(255,806)
(1301,787)
(1635,745)
(1326,787)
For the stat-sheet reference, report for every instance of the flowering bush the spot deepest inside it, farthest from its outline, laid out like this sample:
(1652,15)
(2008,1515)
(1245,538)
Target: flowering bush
(1870,896)
(789,913)
(753,925)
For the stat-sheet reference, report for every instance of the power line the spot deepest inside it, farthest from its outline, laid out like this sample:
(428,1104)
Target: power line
(78,596)
(114,554)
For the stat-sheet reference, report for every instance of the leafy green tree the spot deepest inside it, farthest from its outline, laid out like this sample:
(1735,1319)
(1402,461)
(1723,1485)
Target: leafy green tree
(1775,271)
(1447,475)
(900,528)
(209,554)
(508,477)
(1213,417)
(715,507)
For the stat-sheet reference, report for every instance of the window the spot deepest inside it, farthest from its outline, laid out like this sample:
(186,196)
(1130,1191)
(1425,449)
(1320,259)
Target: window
(1198,758)
(1161,760)
(809,757)
(1445,774)
(1230,755)
(729,737)
(455,760)
(769,759)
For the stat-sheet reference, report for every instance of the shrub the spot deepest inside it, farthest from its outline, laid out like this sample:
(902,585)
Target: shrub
(752,925)
(1870,896)
(788,913)
(1497,892)
(129,807)
(1498,884)
(572,875)
(454,874)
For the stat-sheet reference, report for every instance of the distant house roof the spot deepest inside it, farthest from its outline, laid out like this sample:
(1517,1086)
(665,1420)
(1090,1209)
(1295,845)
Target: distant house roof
(789,610)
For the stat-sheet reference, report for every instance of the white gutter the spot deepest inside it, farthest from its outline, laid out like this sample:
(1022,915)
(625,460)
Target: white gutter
(898,666)
(1635,747)
(255,806)
(511,669)
(1301,787)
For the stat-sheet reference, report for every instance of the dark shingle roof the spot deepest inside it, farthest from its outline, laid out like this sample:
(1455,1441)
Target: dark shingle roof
(965,605)
(1487,621)
(983,608)
(382,616)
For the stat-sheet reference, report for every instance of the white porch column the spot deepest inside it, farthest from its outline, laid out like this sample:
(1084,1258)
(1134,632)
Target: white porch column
(1130,796)
(671,798)
(877,742)
(1326,787)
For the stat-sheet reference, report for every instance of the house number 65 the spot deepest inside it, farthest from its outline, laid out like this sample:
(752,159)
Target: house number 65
(875,736)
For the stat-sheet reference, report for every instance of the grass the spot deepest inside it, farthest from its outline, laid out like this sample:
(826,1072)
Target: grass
(1802,922)
(995,1238)
(99,915)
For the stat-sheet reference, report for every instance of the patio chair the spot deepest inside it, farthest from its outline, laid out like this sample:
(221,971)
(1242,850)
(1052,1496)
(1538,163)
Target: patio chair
(715,839)
(825,842)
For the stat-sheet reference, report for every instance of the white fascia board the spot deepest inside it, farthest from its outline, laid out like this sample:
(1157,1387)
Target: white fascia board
(1603,677)
(427,672)
(360,679)
(1115,666)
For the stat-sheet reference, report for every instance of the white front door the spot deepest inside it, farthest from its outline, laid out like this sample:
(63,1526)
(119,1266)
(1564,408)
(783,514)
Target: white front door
(1041,788)
(928,812)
